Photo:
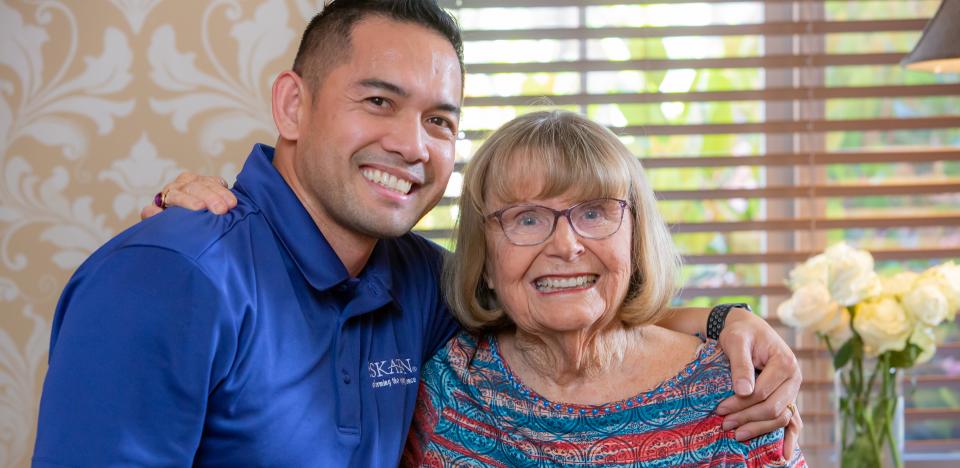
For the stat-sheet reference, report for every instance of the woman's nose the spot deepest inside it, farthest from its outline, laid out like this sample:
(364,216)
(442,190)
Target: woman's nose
(564,242)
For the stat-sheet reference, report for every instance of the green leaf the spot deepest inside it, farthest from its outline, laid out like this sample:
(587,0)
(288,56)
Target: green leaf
(843,354)
(904,358)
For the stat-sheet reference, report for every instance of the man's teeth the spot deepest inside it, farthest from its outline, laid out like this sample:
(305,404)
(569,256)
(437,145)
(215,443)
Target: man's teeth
(556,284)
(387,180)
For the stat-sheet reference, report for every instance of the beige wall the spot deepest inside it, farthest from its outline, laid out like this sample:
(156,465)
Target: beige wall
(101,101)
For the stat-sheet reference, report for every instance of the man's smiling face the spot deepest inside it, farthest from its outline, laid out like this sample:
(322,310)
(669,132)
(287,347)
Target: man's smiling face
(376,146)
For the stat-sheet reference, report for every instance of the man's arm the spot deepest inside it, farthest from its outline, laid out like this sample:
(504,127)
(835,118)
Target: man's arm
(135,351)
(686,320)
(760,404)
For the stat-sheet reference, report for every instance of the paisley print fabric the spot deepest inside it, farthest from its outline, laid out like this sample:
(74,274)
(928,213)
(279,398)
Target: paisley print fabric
(473,411)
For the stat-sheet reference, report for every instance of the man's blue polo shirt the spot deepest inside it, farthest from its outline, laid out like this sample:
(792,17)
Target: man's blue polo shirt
(239,340)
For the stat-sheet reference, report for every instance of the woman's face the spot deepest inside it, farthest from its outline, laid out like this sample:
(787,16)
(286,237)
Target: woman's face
(565,284)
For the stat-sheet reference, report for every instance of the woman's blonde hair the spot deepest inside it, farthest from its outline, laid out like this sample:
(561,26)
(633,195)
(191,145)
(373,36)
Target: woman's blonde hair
(573,157)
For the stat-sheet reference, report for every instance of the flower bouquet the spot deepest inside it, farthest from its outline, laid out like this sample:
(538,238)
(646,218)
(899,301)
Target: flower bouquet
(873,327)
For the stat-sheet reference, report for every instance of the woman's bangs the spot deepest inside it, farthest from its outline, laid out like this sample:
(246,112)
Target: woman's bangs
(540,172)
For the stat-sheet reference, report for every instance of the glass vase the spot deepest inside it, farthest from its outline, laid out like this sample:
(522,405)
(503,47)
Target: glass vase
(869,421)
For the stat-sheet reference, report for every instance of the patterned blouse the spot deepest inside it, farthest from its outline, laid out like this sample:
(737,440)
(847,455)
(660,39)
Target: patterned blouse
(473,411)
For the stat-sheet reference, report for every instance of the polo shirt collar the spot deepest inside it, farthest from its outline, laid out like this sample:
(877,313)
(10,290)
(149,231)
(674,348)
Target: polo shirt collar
(292,224)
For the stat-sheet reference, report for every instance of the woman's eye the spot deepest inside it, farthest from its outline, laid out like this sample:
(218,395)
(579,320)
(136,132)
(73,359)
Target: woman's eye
(528,220)
(592,214)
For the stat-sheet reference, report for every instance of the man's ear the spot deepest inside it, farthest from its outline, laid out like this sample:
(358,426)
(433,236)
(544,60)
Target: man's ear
(289,104)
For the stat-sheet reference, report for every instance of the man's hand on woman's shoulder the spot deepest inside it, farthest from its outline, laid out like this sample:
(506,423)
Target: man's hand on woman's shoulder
(766,402)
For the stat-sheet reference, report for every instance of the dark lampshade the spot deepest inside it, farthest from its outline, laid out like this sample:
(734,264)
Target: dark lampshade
(939,48)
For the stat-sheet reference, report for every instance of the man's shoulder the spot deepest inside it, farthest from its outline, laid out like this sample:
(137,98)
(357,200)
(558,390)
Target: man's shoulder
(415,258)
(190,233)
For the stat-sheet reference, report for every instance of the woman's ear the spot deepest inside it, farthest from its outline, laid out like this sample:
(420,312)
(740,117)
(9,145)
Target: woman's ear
(290,101)
(486,279)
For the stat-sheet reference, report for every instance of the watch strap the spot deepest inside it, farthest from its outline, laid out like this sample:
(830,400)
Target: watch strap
(718,316)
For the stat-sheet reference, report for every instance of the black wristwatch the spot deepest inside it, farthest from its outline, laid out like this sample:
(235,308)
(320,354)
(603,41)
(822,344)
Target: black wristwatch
(718,315)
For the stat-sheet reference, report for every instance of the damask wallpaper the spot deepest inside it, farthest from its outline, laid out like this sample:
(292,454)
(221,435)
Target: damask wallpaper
(101,102)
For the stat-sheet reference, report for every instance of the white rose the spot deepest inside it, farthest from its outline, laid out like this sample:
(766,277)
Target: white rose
(899,284)
(924,338)
(883,324)
(814,270)
(927,303)
(810,308)
(850,275)
(859,259)
(840,332)
(848,287)
(947,277)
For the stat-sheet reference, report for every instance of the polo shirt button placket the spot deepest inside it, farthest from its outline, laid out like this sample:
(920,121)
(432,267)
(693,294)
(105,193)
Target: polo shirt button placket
(346,376)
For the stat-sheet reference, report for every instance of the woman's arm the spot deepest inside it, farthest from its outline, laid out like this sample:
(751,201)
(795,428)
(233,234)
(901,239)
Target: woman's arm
(193,192)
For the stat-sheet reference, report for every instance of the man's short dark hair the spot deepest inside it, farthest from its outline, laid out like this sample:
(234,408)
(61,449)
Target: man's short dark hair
(326,42)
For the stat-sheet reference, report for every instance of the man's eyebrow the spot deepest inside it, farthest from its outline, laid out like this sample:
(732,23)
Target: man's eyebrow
(453,109)
(384,85)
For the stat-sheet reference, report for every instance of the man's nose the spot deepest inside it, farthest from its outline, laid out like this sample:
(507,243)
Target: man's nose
(407,138)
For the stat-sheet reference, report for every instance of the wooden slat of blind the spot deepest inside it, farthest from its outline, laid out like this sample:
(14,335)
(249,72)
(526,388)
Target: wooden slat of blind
(809,224)
(799,126)
(816,158)
(654,162)
(720,291)
(912,415)
(925,446)
(766,128)
(769,94)
(800,191)
(768,61)
(921,380)
(791,257)
(811,352)
(771,29)
(932,445)
(818,224)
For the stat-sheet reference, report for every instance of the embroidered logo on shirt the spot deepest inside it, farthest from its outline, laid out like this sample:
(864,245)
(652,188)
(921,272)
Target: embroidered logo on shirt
(398,371)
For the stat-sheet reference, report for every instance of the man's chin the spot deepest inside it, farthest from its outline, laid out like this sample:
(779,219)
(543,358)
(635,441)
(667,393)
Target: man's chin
(387,228)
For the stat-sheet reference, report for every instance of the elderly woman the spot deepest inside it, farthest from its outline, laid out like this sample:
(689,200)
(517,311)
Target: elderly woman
(563,266)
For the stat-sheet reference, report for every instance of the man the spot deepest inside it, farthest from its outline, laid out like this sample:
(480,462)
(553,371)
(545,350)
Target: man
(290,332)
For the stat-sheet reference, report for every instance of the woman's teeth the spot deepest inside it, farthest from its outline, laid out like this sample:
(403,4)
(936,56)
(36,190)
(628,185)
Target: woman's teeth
(570,282)
(387,180)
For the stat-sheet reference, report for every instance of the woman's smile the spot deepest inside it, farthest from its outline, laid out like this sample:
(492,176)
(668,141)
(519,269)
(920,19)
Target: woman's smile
(558,284)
